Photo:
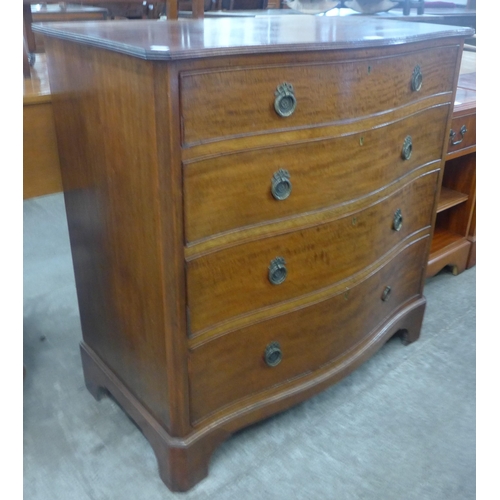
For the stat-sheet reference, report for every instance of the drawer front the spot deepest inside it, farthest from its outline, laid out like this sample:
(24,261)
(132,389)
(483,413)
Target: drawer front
(249,188)
(237,280)
(222,103)
(462,133)
(231,367)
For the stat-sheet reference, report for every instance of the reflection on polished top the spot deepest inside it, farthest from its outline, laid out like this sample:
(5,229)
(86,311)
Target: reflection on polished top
(188,38)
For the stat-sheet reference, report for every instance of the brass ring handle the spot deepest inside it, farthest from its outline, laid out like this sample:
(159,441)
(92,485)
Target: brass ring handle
(285,101)
(463,130)
(273,354)
(281,187)
(386,293)
(397,222)
(407,149)
(416,79)
(277,271)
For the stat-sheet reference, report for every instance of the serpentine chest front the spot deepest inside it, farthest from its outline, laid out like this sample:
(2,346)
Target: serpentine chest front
(250,208)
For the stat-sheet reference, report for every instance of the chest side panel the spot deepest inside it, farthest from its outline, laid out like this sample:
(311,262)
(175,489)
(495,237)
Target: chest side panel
(105,117)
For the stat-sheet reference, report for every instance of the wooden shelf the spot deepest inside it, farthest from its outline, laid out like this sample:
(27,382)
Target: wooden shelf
(444,238)
(450,198)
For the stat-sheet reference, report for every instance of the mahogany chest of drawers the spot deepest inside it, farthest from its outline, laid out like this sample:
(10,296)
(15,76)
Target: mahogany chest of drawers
(250,205)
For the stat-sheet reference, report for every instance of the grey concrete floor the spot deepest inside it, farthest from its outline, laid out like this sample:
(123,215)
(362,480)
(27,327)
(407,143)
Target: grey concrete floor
(402,427)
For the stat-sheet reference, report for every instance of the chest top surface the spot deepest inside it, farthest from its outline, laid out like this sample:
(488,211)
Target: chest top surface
(190,38)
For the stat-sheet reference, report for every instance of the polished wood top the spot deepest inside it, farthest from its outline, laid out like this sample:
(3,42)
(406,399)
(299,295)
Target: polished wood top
(465,99)
(188,38)
(467,81)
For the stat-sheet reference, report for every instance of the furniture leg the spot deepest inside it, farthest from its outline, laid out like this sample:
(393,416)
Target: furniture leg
(182,462)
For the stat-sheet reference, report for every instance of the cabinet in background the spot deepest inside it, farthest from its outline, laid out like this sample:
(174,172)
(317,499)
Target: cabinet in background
(454,240)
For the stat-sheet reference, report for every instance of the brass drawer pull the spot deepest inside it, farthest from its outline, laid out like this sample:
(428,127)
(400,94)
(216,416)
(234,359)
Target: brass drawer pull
(407,149)
(285,102)
(281,186)
(277,271)
(386,293)
(397,222)
(463,130)
(273,354)
(416,79)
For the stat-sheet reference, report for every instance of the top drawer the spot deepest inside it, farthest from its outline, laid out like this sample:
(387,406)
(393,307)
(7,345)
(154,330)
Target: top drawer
(462,137)
(220,103)
(462,133)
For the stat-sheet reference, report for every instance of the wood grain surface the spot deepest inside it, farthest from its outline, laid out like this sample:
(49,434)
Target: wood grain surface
(309,337)
(323,173)
(235,281)
(41,170)
(381,84)
(465,143)
(166,127)
(110,177)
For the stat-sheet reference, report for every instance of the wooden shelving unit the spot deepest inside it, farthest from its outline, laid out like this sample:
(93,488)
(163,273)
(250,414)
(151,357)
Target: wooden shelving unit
(450,198)
(454,240)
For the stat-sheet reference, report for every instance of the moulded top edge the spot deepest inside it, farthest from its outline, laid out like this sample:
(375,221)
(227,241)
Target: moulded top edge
(200,38)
